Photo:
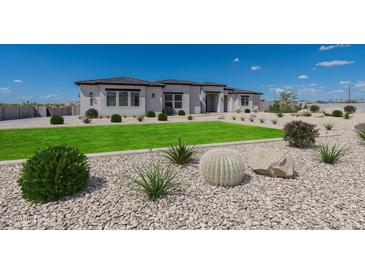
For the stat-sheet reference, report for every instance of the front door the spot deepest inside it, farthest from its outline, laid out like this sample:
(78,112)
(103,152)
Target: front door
(225,103)
(211,102)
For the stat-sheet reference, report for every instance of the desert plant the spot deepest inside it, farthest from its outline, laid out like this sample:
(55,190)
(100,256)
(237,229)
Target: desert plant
(337,113)
(180,153)
(233,117)
(100,117)
(181,112)
(238,110)
(328,126)
(53,173)
(274,121)
(168,111)
(116,118)
(162,117)
(190,117)
(56,120)
(347,115)
(151,114)
(222,167)
(86,120)
(280,114)
(286,97)
(155,181)
(242,118)
(251,119)
(349,109)
(361,134)
(307,114)
(330,154)
(140,118)
(300,134)
(92,113)
(314,108)
(247,110)
(262,120)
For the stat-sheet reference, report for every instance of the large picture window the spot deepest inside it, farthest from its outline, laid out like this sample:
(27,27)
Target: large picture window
(245,100)
(111,98)
(173,100)
(134,99)
(123,98)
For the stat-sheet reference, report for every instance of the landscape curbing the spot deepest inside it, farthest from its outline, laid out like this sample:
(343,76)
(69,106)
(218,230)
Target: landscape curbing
(141,151)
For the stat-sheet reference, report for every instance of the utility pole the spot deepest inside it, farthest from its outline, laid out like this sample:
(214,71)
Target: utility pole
(349,93)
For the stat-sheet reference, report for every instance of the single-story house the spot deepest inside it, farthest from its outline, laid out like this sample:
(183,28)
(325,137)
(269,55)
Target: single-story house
(131,96)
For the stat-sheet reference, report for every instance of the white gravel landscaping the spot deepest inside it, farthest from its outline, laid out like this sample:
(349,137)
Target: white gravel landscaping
(320,196)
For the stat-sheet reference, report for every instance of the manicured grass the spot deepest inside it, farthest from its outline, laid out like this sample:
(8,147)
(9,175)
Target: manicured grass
(21,143)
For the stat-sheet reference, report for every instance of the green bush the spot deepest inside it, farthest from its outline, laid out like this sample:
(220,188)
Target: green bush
(314,108)
(190,117)
(179,153)
(330,154)
(247,110)
(300,134)
(155,181)
(162,117)
(151,114)
(140,118)
(92,113)
(56,120)
(274,121)
(181,112)
(337,113)
(280,114)
(116,118)
(86,120)
(350,109)
(53,173)
(168,111)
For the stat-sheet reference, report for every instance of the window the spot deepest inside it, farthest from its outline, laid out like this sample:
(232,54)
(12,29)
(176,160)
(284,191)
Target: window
(91,102)
(245,100)
(134,99)
(123,98)
(173,100)
(111,98)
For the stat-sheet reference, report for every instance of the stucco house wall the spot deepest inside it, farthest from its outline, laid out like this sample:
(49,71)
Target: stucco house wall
(184,89)
(154,99)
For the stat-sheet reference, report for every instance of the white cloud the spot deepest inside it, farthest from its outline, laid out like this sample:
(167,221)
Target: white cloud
(345,83)
(18,81)
(303,77)
(337,91)
(5,90)
(313,84)
(236,60)
(25,97)
(52,97)
(334,63)
(360,85)
(255,68)
(322,48)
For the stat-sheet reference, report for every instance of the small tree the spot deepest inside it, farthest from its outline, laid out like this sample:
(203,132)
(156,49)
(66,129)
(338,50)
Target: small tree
(286,97)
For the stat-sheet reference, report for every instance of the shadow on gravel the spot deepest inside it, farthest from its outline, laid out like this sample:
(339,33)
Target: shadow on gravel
(246,179)
(95,184)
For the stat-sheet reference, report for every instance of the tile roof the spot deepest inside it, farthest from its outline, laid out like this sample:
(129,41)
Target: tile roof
(119,81)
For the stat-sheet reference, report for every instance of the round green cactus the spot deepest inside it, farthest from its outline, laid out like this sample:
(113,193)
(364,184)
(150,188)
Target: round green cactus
(222,167)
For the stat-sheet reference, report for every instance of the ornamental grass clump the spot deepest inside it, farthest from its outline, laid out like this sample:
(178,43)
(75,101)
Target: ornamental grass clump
(180,153)
(300,134)
(328,126)
(155,181)
(53,173)
(330,154)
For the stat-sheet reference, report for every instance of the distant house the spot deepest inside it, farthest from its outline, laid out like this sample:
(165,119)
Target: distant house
(131,96)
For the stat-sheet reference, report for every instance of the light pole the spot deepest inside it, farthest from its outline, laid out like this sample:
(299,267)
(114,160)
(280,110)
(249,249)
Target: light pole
(349,93)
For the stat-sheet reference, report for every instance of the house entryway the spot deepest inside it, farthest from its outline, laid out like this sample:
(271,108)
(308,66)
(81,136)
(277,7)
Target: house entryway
(211,102)
(225,103)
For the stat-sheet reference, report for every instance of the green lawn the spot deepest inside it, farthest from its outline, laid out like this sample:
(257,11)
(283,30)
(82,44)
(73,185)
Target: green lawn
(21,143)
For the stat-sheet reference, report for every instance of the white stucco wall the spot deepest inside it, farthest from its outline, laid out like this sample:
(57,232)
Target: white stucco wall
(154,103)
(85,91)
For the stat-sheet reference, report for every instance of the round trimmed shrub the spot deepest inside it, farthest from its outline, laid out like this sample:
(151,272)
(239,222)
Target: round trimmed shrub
(56,120)
(337,113)
(349,109)
(151,114)
(53,173)
(92,113)
(162,117)
(168,110)
(116,118)
(181,112)
(300,134)
(314,108)
(247,110)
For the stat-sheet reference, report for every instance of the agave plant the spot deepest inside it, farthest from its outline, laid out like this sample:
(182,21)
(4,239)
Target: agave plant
(330,154)
(180,153)
(328,126)
(361,134)
(155,181)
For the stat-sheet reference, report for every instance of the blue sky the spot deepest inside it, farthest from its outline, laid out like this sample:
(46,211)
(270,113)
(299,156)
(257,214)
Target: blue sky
(46,73)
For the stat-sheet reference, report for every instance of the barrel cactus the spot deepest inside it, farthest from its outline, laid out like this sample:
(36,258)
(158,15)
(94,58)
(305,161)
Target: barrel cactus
(222,167)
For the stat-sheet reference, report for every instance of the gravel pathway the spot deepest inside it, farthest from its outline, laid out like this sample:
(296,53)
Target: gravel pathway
(319,197)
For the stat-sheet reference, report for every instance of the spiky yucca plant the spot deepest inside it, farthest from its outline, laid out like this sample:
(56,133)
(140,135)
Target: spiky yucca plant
(361,134)
(155,181)
(328,126)
(330,154)
(180,153)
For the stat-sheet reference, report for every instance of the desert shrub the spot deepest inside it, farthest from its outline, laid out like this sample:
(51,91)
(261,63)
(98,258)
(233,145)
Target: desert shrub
(181,112)
(330,154)
(155,181)
(300,134)
(190,117)
(337,113)
(262,120)
(53,173)
(252,119)
(92,113)
(242,118)
(328,126)
(274,121)
(247,110)
(86,120)
(307,114)
(347,115)
(180,153)
(233,117)
(349,109)
(162,117)
(56,120)
(314,108)
(361,134)
(151,114)
(238,110)
(140,118)
(100,117)
(280,114)
(168,111)
(116,118)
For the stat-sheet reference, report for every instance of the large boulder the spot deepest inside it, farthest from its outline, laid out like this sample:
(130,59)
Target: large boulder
(303,112)
(272,163)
